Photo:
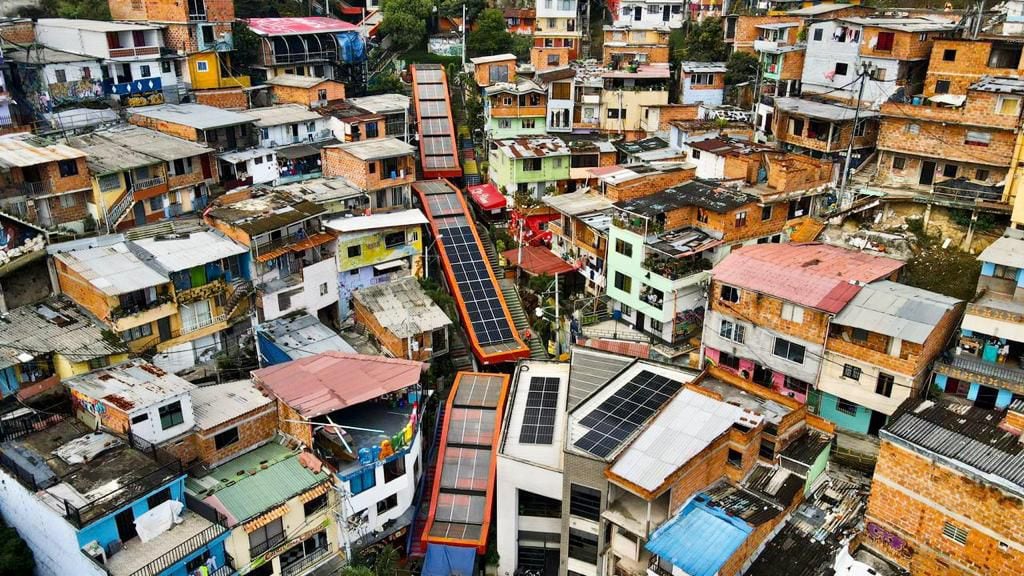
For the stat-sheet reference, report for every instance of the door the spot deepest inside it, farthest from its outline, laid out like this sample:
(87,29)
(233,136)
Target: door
(986,398)
(204,160)
(665,13)
(641,321)
(140,213)
(927,173)
(638,13)
(125,521)
(877,421)
(163,326)
(762,376)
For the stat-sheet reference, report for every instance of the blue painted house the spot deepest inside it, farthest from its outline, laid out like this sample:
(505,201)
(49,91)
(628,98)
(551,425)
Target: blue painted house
(90,502)
(986,365)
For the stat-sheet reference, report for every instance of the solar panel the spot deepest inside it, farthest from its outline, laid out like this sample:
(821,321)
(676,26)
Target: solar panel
(431,92)
(541,405)
(439,162)
(466,468)
(471,427)
(435,127)
(431,187)
(433,109)
(479,391)
(439,145)
(427,76)
(480,296)
(616,418)
(444,204)
(456,531)
(461,508)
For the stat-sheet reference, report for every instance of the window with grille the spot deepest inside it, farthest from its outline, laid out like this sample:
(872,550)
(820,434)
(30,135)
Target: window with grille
(584,502)
(955,533)
(583,546)
(732,331)
(531,504)
(846,407)
(884,384)
(850,371)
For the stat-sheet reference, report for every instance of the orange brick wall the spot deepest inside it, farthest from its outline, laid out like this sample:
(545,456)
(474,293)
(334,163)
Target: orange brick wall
(669,113)
(655,54)
(179,130)
(338,162)
(304,432)
(746,29)
(307,96)
(970,64)
(701,471)
(726,223)
(482,72)
(792,65)
(539,57)
(792,172)
(18,32)
(905,45)
(81,291)
(647,185)
(940,141)
(914,497)
(845,131)
(228,99)
(254,428)
(766,311)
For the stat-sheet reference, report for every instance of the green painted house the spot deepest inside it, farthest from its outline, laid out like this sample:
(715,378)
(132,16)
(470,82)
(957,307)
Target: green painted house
(528,164)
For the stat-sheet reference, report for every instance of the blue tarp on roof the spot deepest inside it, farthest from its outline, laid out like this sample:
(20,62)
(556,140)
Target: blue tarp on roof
(352,47)
(699,539)
(444,560)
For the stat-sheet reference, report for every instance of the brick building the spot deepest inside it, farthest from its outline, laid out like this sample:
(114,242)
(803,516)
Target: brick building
(957,63)
(770,306)
(309,91)
(46,183)
(580,234)
(700,83)
(230,419)
(403,319)
(222,130)
(635,43)
(313,46)
(513,109)
(494,69)
(946,496)
(383,168)
(823,129)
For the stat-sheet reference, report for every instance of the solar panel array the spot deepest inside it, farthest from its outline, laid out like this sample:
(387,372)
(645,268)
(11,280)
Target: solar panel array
(437,135)
(465,479)
(465,257)
(615,419)
(541,404)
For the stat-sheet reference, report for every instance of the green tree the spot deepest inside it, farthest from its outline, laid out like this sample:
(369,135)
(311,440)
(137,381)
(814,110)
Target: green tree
(77,9)
(353,570)
(405,22)
(247,46)
(16,557)
(387,82)
(453,8)
(490,35)
(699,42)
(741,67)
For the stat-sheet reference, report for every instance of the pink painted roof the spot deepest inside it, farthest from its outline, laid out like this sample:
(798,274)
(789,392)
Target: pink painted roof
(631,349)
(303,25)
(329,381)
(813,275)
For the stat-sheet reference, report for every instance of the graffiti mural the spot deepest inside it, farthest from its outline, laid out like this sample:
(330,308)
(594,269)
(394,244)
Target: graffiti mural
(75,91)
(18,239)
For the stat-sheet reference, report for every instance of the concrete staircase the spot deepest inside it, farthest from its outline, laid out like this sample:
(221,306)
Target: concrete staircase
(488,242)
(461,358)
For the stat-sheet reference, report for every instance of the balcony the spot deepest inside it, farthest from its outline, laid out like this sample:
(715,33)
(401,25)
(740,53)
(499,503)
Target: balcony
(82,516)
(199,324)
(969,368)
(36,188)
(771,46)
(204,292)
(675,269)
(136,52)
(125,319)
(200,525)
(519,112)
(149,188)
(302,57)
(187,179)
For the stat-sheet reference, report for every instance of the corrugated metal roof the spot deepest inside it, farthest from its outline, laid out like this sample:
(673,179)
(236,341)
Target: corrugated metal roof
(56,325)
(330,381)
(302,336)
(216,404)
(492,58)
(130,385)
(576,203)
(699,539)
(153,142)
(256,482)
(282,114)
(106,157)
(1008,250)
(296,81)
(410,217)
(382,103)
(111,269)
(198,116)
(267,212)
(687,425)
(95,25)
(402,307)
(534,147)
(186,251)
(964,434)
(21,150)
(821,110)
(589,370)
(376,149)
(814,275)
(896,310)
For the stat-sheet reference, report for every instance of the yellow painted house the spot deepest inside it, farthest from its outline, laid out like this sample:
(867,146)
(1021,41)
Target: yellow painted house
(208,70)
(46,343)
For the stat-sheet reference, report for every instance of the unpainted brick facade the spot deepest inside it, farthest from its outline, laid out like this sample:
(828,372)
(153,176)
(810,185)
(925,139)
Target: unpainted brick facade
(648,184)
(228,98)
(337,162)
(960,63)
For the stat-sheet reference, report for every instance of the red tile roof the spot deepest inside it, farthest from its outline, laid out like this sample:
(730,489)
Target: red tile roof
(813,275)
(320,384)
(538,260)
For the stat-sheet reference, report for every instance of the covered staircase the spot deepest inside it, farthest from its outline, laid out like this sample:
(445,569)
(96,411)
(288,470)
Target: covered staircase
(425,489)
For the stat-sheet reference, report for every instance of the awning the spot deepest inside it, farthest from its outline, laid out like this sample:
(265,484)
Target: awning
(298,151)
(442,560)
(299,246)
(538,260)
(951,99)
(265,518)
(487,196)
(393,265)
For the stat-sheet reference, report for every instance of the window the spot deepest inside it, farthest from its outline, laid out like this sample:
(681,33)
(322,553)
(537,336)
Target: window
(859,335)
(949,55)
(1005,272)
(156,203)
(616,113)
(138,332)
(67,168)
(841,68)
(706,79)
(735,458)
(741,219)
(323,289)
(394,469)
(531,504)
(386,504)
(398,199)
(696,154)
(850,371)
(728,360)
(1008,106)
(884,42)
(362,481)
(730,293)
(504,123)
(796,126)
(981,174)
(655,325)
(355,251)
(165,67)
(942,86)
(792,313)
(955,533)
(624,248)
(67,200)
(583,546)
(140,418)
(532,165)
(789,350)
(584,502)
(372,167)
(62,76)
(158,498)
(225,438)
(284,301)
(732,331)
(767,449)
(846,407)
(818,33)
(798,386)
(766,213)
(623,282)
(975,138)
(884,384)
(552,59)
(266,537)
(314,505)
(899,162)
(913,129)
(529,123)
(202,66)
(949,170)
(879,74)
(145,71)
(109,182)
(393,239)
(171,415)
(859,129)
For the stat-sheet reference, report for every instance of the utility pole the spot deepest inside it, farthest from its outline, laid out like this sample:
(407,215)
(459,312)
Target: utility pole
(465,30)
(864,73)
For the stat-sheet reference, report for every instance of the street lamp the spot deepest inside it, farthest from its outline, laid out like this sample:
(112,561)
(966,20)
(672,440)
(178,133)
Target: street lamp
(426,257)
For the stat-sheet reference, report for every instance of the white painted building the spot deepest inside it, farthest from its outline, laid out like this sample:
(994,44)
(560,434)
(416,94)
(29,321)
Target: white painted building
(316,288)
(259,164)
(656,12)
(288,124)
(529,471)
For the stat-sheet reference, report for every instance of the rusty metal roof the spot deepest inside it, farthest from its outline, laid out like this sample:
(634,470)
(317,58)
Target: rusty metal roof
(21,150)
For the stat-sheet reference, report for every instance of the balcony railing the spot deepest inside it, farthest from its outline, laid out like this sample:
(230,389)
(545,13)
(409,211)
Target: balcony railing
(82,516)
(149,183)
(181,551)
(199,325)
(266,545)
(309,560)
(119,312)
(295,58)
(36,188)
(137,51)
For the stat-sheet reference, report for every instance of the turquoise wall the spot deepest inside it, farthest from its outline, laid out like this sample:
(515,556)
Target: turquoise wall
(856,423)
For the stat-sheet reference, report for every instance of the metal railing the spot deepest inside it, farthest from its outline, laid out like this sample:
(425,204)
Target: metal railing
(83,515)
(35,188)
(294,58)
(148,183)
(181,551)
(138,51)
(120,208)
(266,545)
(306,562)
(202,323)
